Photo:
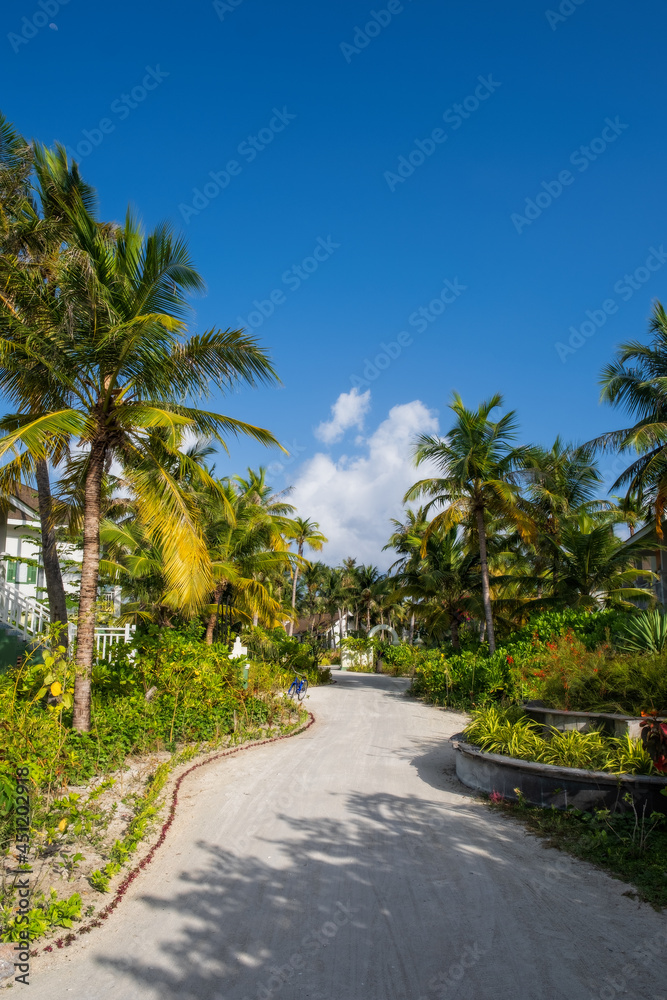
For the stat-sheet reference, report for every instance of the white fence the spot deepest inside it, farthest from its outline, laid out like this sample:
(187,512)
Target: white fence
(28,616)
(105,638)
(22,613)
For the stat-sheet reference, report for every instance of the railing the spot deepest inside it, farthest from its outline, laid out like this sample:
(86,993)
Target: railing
(105,638)
(30,617)
(22,613)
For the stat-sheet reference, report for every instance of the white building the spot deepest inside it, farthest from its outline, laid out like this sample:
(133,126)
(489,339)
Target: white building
(21,549)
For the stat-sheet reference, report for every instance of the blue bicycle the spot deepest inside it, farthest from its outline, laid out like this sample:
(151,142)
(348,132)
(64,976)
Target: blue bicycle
(298,687)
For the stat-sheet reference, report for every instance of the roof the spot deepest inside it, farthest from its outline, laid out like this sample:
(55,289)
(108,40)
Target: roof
(27,497)
(318,622)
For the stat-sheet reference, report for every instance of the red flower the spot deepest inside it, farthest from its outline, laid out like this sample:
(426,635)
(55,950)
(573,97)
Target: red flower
(510,659)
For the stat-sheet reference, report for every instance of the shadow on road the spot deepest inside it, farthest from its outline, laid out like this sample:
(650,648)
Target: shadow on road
(331,920)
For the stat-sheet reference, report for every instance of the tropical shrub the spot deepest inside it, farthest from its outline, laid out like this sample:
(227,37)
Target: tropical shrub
(277,654)
(400,660)
(591,628)
(646,632)
(464,679)
(565,675)
(504,731)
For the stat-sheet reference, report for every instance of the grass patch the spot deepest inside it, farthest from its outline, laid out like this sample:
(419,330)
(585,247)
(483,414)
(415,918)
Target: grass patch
(631,849)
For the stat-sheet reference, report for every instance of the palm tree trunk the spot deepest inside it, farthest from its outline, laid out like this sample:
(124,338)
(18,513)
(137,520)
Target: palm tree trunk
(90,568)
(340,624)
(213,617)
(296,574)
(368,618)
(456,643)
(486,590)
(412,627)
(54,578)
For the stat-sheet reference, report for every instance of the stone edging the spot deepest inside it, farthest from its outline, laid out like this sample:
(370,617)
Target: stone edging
(69,939)
(550,785)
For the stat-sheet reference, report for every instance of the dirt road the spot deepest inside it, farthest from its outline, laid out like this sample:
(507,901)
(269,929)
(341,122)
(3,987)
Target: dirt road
(348,864)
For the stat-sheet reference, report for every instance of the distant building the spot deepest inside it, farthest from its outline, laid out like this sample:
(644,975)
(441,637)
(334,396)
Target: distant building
(653,558)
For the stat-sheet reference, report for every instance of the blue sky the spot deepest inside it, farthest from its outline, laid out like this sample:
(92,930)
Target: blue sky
(155,98)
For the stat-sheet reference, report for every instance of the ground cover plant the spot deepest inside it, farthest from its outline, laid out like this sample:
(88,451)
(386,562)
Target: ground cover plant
(629,846)
(506,731)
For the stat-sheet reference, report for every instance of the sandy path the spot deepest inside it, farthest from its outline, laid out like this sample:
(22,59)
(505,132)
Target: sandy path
(348,864)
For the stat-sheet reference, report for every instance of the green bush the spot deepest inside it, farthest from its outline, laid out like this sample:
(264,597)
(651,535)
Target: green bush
(592,628)
(197,696)
(566,658)
(464,679)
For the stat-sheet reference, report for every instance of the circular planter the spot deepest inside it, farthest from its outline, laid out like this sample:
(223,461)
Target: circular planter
(561,787)
(556,718)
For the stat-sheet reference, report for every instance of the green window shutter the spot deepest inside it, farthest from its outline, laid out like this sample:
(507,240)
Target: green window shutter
(11,572)
(32,574)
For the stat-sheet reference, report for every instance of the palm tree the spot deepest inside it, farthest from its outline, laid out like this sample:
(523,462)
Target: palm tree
(636,381)
(33,231)
(245,538)
(109,362)
(561,481)
(306,532)
(478,480)
(406,539)
(331,592)
(370,584)
(444,583)
(597,567)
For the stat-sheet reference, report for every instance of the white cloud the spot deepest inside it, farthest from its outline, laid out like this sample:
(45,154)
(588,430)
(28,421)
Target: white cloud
(354,498)
(348,411)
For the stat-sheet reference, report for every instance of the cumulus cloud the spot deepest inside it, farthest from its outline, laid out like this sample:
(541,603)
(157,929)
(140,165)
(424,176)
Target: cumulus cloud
(348,411)
(354,498)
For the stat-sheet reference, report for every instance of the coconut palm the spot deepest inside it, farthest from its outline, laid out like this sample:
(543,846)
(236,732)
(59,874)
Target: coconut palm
(445,583)
(305,532)
(560,481)
(110,361)
(596,567)
(635,381)
(478,479)
(370,586)
(33,234)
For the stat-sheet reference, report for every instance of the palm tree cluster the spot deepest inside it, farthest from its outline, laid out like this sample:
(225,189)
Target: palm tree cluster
(505,531)
(106,385)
